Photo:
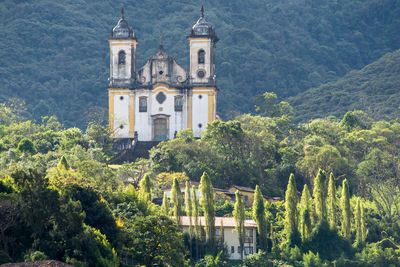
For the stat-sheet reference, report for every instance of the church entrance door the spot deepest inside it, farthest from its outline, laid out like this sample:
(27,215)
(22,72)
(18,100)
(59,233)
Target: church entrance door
(161,129)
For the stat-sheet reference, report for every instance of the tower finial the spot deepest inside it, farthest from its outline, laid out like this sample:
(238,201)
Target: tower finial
(161,41)
(122,13)
(202,11)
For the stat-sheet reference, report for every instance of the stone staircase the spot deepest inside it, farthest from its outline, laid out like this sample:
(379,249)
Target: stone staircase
(139,150)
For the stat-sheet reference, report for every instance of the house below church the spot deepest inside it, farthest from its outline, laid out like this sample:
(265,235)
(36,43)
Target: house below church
(230,237)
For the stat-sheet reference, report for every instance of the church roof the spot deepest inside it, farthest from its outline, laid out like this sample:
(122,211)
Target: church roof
(122,30)
(203,28)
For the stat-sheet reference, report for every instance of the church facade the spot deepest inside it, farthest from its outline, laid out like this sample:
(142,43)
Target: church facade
(156,101)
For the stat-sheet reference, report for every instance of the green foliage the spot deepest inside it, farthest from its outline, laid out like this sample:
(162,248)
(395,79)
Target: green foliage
(156,240)
(63,164)
(331,202)
(195,205)
(346,212)
(259,217)
(238,214)
(35,256)
(4,257)
(223,208)
(26,146)
(291,199)
(259,259)
(311,260)
(319,194)
(165,205)
(188,207)
(305,213)
(207,202)
(177,201)
(145,189)
(358,89)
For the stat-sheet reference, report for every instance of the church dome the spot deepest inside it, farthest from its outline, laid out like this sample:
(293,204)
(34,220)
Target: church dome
(122,30)
(203,28)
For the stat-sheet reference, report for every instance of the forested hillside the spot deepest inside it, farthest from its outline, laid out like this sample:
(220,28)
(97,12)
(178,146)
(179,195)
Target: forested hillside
(374,89)
(54,55)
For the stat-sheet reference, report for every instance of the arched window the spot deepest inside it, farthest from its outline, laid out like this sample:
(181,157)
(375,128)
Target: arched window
(201,55)
(121,57)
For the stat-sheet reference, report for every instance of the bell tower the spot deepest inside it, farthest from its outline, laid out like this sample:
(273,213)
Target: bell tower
(121,99)
(122,54)
(202,41)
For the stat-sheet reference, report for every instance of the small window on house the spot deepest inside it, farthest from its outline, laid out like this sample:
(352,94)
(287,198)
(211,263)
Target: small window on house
(178,103)
(246,198)
(121,57)
(217,232)
(143,104)
(232,249)
(239,250)
(201,54)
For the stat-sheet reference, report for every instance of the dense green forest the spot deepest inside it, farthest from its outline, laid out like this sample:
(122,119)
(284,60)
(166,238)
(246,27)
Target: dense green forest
(60,200)
(54,54)
(373,89)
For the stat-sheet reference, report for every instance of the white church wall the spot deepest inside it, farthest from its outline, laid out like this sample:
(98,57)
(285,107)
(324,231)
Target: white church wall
(142,119)
(199,112)
(121,115)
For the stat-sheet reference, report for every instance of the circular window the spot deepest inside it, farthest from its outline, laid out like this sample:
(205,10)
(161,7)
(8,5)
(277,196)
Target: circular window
(201,73)
(121,98)
(200,125)
(161,72)
(160,97)
(200,96)
(121,126)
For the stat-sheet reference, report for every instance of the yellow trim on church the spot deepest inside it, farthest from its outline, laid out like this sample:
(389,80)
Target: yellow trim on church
(131,115)
(189,112)
(111,111)
(210,108)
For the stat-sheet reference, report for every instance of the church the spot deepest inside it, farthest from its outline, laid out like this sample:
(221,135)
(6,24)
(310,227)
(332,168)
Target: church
(154,102)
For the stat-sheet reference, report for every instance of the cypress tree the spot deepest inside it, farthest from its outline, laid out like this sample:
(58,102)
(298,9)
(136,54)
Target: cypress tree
(165,205)
(188,206)
(63,163)
(176,199)
(357,221)
(364,230)
(239,215)
(195,214)
(145,188)
(259,217)
(207,202)
(290,205)
(346,212)
(332,202)
(305,212)
(319,194)
(195,207)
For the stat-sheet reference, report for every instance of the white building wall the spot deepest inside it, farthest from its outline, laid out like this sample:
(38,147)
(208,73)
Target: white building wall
(199,113)
(231,238)
(144,120)
(121,115)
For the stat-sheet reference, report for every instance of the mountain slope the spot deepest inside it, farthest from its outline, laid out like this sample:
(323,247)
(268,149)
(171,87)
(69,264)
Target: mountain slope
(54,54)
(374,89)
